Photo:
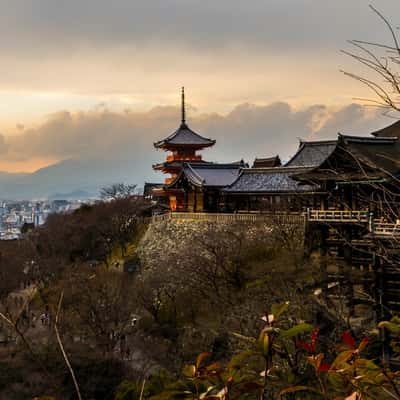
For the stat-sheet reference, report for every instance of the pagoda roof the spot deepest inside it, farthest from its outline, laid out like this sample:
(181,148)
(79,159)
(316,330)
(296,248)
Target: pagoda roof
(267,162)
(209,174)
(184,136)
(312,153)
(392,130)
(270,180)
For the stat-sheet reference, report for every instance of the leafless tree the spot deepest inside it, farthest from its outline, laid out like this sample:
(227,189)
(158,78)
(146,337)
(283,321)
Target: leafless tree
(383,61)
(118,191)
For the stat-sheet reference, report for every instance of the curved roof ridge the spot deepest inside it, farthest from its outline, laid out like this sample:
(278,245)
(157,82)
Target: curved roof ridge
(233,165)
(199,178)
(317,142)
(282,168)
(308,155)
(185,136)
(392,130)
(241,171)
(369,139)
(268,158)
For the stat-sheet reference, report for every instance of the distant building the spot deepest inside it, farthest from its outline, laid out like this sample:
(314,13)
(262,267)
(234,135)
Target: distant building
(269,162)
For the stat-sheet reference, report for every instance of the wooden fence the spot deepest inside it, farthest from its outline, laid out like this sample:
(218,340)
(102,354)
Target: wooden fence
(386,229)
(337,216)
(287,218)
(278,218)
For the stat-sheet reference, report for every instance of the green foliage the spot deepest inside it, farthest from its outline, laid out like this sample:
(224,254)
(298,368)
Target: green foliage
(279,366)
(296,331)
(127,391)
(152,388)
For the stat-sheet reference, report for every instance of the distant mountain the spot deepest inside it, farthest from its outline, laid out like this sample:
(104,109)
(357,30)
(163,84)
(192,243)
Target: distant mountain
(75,195)
(73,178)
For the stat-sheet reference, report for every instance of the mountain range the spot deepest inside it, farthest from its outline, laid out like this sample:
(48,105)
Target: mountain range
(71,179)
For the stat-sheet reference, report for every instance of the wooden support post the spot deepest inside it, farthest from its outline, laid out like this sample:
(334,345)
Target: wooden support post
(348,275)
(323,264)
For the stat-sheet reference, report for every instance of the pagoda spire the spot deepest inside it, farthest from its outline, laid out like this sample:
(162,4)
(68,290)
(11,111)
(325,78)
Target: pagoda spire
(183,107)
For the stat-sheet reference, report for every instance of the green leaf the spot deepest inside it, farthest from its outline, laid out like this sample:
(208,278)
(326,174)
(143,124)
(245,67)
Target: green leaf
(239,360)
(264,343)
(395,320)
(294,389)
(278,309)
(296,330)
(245,338)
(189,371)
(342,358)
(390,326)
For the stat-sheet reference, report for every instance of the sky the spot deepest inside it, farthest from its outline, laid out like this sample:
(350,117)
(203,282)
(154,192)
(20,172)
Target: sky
(97,79)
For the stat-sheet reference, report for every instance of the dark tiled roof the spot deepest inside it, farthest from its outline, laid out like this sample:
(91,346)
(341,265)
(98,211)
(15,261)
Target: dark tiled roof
(389,131)
(176,164)
(210,174)
(312,154)
(270,180)
(149,186)
(267,162)
(359,158)
(185,136)
(382,153)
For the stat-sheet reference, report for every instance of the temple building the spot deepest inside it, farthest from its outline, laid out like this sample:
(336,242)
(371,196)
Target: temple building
(200,185)
(343,174)
(346,191)
(183,145)
(360,173)
(267,162)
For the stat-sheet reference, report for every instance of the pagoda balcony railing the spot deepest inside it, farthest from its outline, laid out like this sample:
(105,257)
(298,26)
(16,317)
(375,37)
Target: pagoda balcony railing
(176,157)
(386,229)
(350,216)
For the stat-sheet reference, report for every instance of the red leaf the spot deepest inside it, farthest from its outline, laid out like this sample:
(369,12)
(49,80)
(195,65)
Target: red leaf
(314,334)
(306,346)
(310,346)
(348,340)
(363,344)
(324,367)
(314,337)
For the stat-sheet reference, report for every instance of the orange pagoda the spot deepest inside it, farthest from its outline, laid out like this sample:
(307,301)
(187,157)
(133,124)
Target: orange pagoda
(183,145)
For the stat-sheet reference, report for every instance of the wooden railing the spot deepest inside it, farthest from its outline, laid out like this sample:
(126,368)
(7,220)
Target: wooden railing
(287,218)
(337,216)
(386,229)
(278,218)
(183,157)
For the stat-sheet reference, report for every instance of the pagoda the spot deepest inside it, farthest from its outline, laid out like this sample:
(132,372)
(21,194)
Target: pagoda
(183,145)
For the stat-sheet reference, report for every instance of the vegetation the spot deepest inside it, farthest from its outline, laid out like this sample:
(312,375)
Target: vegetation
(74,325)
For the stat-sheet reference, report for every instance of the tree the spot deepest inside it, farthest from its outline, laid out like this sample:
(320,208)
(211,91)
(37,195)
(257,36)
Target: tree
(383,60)
(118,191)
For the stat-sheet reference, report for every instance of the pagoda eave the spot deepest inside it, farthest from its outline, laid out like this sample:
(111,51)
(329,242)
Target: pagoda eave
(166,192)
(173,147)
(167,169)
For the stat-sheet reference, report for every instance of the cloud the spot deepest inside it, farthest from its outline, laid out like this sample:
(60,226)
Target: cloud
(63,26)
(3,145)
(246,132)
(228,51)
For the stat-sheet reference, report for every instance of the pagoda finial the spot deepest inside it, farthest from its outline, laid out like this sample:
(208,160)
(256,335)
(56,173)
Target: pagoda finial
(183,106)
